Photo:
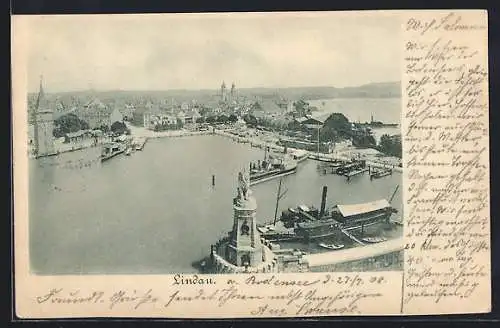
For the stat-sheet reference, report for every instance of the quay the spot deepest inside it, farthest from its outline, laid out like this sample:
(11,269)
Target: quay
(350,174)
(255,182)
(389,248)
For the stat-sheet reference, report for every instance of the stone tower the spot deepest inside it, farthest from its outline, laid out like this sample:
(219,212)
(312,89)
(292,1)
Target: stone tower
(245,247)
(233,92)
(44,125)
(223,93)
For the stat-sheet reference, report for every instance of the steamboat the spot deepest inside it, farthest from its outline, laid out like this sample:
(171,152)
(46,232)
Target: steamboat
(344,218)
(300,155)
(272,166)
(306,223)
(111,150)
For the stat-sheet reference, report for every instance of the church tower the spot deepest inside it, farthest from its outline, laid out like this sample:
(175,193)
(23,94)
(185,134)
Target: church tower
(233,92)
(223,92)
(44,125)
(245,247)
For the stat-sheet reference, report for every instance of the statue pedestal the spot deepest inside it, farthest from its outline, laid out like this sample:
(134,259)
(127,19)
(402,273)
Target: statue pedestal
(245,247)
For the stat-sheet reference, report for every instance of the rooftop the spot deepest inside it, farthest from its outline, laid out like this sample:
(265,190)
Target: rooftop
(356,209)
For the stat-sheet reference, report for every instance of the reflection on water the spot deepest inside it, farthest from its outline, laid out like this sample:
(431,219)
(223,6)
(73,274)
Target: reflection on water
(156,210)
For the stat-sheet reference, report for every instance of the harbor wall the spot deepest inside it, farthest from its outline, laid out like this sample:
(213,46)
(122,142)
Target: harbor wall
(371,257)
(275,260)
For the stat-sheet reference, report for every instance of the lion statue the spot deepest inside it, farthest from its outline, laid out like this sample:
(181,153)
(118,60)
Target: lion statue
(244,184)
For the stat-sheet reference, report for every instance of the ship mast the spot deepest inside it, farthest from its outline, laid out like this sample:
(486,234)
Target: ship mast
(318,141)
(279,195)
(394,194)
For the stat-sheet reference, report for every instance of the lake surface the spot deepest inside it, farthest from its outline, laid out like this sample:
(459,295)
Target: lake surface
(156,210)
(387,110)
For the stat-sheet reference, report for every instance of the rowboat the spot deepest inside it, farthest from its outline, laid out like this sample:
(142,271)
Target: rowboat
(373,240)
(331,246)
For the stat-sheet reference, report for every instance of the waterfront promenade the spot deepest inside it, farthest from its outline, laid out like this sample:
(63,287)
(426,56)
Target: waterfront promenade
(373,157)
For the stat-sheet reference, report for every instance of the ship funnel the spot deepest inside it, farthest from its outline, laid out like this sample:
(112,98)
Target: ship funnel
(323,202)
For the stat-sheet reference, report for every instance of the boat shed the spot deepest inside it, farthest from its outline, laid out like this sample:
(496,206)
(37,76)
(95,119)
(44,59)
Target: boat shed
(310,122)
(357,209)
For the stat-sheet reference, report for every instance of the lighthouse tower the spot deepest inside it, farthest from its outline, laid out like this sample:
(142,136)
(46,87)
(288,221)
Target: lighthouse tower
(245,247)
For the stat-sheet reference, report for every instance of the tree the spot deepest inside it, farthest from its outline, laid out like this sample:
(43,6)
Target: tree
(222,118)
(233,118)
(68,123)
(104,128)
(391,145)
(119,128)
(336,126)
(200,120)
(250,120)
(204,111)
(256,106)
(211,119)
(364,141)
(301,107)
(180,124)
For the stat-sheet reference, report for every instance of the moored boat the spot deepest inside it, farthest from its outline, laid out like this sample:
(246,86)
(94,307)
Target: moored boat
(373,240)
(331,246)
(300,155)
(139,143)
(339,219)
(346,217)
(273,166)
(376,174)
(110,150)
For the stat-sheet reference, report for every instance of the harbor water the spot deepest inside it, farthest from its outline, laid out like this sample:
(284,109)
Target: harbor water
(157,211)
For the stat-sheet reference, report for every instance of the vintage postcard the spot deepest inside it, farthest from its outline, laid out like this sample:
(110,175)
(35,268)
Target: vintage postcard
(244,165)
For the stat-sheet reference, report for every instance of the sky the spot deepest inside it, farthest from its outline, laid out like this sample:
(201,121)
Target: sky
(199,51)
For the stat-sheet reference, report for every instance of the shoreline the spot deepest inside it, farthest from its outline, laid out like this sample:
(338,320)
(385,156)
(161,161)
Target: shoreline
(255,142)
(141,133)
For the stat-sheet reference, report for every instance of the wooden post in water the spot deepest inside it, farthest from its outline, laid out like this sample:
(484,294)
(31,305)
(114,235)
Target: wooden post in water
(323,202)
(213,180)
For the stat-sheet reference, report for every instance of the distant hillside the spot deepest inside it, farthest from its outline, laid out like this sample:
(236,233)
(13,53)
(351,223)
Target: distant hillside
(372,90)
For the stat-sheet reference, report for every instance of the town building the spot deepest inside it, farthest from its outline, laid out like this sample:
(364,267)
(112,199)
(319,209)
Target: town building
(95,113)
(153,116)
(309,122)
(191,116)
